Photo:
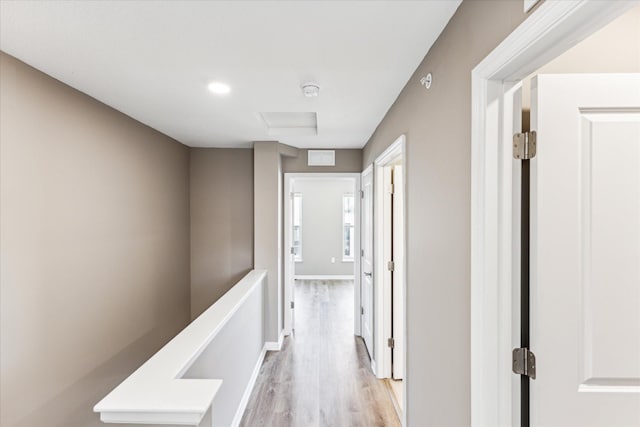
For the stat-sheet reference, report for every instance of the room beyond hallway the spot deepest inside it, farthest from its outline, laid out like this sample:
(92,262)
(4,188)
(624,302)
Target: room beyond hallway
(322,375)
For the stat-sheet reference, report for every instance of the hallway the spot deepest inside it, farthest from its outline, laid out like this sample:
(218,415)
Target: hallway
(322,375)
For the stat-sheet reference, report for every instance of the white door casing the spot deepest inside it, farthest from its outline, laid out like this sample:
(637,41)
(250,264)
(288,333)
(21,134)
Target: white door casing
(289,264)
(585,250)
(397,371)
(548,31)
(384,278)
(366,313)
(289,267)
(290,259)
(383,164)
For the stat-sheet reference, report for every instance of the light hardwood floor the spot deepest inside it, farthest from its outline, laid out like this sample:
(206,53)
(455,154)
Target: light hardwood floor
(322,376)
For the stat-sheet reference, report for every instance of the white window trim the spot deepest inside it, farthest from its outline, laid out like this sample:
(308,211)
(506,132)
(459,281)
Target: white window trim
(298,257)
(352,257)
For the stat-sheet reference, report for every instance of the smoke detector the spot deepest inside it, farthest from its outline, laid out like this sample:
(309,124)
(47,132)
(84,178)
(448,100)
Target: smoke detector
(310,89)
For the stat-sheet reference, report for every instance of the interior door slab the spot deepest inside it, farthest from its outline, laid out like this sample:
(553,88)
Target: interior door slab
(585,250)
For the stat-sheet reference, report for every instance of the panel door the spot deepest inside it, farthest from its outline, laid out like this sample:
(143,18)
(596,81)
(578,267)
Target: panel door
(367,260)
(397,371)
(585,250)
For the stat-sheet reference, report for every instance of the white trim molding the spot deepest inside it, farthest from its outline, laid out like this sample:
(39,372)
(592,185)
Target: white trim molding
(529,4)
(273,345)
(289,273)
(550,30)
(247,391)
(381,362)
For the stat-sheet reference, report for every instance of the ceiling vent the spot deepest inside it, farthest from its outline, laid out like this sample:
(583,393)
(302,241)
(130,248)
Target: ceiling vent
(321,158)
(291,124)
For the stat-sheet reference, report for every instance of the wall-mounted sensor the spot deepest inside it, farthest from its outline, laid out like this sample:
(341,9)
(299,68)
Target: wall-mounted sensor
(426,81)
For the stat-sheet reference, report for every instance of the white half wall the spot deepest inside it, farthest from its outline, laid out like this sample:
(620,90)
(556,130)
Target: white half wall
(232,357)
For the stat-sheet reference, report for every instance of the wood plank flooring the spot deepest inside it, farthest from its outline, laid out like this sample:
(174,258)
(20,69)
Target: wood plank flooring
(322,376)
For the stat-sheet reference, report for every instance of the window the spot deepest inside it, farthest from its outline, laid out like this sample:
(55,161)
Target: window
(297,227)
(348,227)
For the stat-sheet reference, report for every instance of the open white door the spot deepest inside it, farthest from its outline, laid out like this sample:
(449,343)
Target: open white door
(585,250)
(295,212)
(367,260)
(397,371)
(289,256)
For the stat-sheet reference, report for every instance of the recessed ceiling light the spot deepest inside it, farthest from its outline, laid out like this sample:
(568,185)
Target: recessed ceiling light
(219,88)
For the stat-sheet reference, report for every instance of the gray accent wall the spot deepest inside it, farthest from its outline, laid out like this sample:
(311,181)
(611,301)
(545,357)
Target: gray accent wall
(221,194)
(322,226)
(94,243)
(437,125)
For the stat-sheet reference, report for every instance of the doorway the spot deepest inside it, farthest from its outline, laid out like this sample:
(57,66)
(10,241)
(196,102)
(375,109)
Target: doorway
(498,395)
(389,268)
(322,237)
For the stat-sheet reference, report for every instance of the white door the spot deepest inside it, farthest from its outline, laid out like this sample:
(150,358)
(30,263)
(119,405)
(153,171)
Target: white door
(295,213)
(398,274)
(585,250)
(367,260)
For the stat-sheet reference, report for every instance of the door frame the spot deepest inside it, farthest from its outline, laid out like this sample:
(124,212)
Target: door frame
(550,30)
(368,171)
(288,273)
(381,362)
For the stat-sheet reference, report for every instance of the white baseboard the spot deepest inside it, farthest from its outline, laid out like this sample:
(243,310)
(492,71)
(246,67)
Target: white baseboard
(247,391)
(324,277)
(275,346)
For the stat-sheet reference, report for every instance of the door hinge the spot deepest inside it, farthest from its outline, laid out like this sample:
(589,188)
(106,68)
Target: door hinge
(361,252)
(361,194)
(293,250)
(361,311)
(292,304)
(524,145)
(524,362)
(391,266)
(390,189)
(391,343)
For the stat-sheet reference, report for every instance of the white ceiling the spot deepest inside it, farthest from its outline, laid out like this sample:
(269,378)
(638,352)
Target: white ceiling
(152,60)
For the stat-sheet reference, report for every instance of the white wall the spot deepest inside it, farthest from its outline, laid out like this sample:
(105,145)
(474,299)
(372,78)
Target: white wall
(322,226)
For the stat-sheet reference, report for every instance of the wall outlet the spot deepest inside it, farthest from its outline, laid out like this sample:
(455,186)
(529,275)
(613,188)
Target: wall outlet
(333,260)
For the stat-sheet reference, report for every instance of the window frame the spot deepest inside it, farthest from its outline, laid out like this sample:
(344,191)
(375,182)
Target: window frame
(351,225)
(297,255)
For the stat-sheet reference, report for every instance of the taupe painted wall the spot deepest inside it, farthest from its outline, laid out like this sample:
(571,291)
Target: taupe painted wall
(437,124)
(612,49)
(94,242)
(267,196)
(322,226)
(271,161)
(347,160)
(221,222)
